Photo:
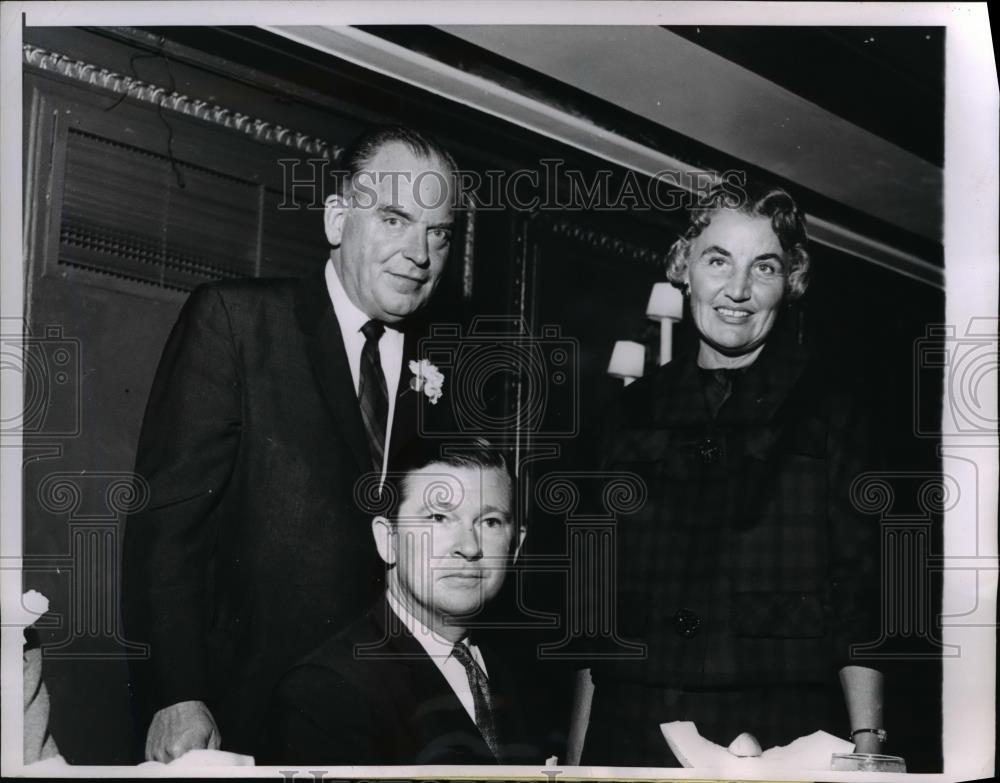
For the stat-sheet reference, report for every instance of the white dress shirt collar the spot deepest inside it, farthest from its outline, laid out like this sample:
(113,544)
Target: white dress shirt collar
(440,651)
(390,346)
(351,317)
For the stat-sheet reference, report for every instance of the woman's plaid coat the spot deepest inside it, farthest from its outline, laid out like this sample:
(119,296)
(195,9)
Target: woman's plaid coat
(747,573)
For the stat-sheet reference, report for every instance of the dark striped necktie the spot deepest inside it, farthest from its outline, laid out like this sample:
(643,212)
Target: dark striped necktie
(372,393)
(481,699)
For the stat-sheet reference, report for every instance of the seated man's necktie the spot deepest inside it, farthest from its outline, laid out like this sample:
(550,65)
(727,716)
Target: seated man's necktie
(372,392)
(481,699)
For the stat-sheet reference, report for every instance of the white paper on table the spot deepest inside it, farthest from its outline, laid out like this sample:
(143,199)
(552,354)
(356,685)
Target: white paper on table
(813,751)
(204,758)
(51,764)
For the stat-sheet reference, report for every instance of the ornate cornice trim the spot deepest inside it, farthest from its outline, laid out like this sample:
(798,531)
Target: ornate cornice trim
(157,95)
(605,242)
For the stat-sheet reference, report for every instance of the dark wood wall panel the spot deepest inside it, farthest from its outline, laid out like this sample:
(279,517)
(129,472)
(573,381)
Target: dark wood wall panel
(288,235)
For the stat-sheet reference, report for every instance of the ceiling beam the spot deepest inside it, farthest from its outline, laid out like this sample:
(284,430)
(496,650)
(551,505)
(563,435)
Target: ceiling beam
(487,96)
(662,77)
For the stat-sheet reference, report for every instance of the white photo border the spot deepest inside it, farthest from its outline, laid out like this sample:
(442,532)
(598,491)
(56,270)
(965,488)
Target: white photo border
(971,267)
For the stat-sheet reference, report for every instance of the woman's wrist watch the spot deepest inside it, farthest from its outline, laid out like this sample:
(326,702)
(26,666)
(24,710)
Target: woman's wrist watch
(880,733)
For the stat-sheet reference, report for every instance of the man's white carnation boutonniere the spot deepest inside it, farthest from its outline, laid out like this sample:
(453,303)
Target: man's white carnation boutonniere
(428,378)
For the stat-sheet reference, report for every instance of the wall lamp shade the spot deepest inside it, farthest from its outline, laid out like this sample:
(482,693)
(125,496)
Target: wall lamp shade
(665,301)
(627,359)
(666,305)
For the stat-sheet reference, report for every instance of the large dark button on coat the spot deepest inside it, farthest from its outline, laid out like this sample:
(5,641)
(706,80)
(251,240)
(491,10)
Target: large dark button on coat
(686,623)
(709,451)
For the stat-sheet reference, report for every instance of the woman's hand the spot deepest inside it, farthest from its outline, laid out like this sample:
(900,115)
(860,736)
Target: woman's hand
(863,692)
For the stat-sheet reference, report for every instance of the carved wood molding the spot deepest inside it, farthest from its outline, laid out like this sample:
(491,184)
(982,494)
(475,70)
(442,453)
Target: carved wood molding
(600,240)
(157,95)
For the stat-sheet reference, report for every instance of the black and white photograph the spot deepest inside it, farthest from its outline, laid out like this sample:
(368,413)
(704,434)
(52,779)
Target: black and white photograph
(499,390)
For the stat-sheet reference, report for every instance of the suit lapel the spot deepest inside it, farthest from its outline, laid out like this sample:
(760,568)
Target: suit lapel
(681,412)
(508,712)
(767,387)
(679,400)
(667,424)
(325,347)
(441,726)
(447,729)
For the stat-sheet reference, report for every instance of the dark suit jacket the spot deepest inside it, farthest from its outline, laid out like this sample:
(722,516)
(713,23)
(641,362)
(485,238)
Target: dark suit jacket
(252,548)
(372,696)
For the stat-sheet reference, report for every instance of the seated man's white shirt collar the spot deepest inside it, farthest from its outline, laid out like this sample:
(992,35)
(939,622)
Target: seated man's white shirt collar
(390,346)
(440,651)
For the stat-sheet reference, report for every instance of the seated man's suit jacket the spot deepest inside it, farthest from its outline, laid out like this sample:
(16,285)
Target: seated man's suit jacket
(373,696)
(254,545)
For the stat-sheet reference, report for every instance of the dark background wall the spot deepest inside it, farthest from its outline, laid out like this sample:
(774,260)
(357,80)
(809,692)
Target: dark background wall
(128,206)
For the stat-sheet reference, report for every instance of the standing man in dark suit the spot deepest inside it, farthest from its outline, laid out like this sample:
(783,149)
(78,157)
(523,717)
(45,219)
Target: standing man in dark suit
(407,684)
(272,399)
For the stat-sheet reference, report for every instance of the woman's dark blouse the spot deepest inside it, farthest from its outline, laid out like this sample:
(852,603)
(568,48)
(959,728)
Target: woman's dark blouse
(747,573)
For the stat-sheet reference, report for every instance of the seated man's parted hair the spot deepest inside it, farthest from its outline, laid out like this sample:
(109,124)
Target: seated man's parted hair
(383,497)
(754,199)
(358,155)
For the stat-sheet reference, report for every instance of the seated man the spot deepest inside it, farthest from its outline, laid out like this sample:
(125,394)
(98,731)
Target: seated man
(407,683)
